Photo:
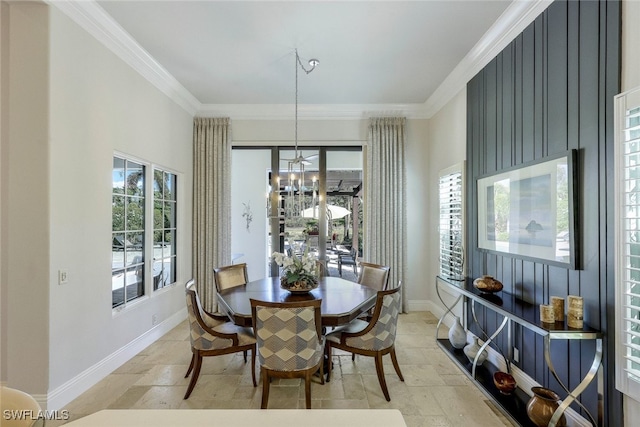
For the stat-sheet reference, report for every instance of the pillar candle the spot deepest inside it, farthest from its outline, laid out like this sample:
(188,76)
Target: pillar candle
(575,312)
(546,313)
(558,308)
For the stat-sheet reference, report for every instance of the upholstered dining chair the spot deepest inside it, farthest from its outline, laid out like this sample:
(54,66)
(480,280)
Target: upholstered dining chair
(212,337)
(290,342)
(374,275)
(230,276)
(348,259)
(321,269)
(13,400)
(375,338)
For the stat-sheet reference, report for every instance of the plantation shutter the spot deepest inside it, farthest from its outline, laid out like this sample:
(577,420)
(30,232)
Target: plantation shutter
(451,223)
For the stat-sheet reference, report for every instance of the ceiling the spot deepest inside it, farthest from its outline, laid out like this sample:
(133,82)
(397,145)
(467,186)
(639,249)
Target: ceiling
(221,55)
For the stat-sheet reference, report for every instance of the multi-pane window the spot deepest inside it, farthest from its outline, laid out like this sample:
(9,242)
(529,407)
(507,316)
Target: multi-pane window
(451,261)
(164,228)
(627,169)
(128,224)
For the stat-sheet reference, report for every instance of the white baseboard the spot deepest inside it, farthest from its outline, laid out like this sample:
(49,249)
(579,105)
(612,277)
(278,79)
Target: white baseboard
(418,305)
(58,398)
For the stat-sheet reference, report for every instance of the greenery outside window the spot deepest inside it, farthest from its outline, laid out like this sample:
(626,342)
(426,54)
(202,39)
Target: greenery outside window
(164,228)
(627,219)
(451,226)
(128,231)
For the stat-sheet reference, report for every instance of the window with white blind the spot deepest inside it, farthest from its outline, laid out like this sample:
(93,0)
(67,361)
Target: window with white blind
(627,218)
(451,226)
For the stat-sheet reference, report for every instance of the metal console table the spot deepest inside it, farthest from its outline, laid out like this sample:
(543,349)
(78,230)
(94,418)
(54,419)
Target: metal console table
(527,315)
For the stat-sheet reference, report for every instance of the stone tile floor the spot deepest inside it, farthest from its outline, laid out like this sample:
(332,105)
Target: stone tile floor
(435,392)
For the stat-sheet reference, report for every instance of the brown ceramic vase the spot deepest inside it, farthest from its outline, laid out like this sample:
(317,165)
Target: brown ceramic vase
(542,405)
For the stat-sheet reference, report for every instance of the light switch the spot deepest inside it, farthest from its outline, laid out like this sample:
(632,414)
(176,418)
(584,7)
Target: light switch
(63,277)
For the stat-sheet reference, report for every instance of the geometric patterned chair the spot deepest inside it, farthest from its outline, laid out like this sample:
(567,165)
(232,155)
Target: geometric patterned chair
(375,338)
(212,337)
(290,342)
(374,275)
(230,276)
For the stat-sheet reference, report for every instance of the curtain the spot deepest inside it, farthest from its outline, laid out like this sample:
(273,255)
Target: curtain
(211,203)
(385,203)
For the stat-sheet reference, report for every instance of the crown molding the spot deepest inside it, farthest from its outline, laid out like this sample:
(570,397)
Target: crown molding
(93,19)
(311,111)
(509,25)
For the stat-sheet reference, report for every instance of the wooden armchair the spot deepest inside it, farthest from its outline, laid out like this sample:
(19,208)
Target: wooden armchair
(375,338)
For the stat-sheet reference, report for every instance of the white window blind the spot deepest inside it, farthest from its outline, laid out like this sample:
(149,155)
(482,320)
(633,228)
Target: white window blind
(451,195)
(627,217)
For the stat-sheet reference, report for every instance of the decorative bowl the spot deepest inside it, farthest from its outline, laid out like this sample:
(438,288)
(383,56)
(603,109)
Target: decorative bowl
(505,383)
(487,284)
(298,287)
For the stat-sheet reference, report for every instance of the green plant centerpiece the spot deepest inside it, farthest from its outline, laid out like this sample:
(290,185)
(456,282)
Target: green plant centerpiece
(298,273)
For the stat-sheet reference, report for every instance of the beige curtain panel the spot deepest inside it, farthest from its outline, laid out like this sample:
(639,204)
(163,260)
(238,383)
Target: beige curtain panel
(211,203)
(385,204)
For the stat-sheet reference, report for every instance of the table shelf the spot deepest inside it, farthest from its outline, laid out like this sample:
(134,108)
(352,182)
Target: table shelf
(515,310)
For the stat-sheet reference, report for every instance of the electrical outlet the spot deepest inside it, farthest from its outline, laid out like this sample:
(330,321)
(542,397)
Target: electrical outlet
(516,355)
(63,277)
(154,319)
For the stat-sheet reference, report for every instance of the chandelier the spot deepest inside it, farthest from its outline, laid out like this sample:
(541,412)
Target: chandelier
(295,167)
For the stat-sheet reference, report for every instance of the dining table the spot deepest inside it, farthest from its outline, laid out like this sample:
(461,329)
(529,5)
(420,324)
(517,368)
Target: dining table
(342,300)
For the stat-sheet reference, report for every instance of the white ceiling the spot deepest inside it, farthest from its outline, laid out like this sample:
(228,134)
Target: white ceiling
(226,53)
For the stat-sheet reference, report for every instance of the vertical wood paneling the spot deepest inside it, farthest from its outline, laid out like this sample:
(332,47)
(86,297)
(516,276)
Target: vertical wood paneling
(550,90)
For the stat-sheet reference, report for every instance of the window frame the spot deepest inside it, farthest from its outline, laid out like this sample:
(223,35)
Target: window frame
(451,227)
(174,248)
(140,266)
(627,369)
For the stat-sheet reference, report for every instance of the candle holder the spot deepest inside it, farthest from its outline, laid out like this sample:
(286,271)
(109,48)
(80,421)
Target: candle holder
(558,308)
(575,313)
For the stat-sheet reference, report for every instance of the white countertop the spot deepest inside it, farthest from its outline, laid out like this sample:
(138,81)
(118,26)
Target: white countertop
(242,417)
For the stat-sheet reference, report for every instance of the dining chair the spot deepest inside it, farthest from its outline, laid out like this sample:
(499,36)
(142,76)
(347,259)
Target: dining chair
(230,276)
(321,268)
(290,342)
(375,276)
(12,401)
(212,337)
(375,338)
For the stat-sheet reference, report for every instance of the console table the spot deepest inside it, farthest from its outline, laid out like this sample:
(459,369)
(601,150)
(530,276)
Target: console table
(514,310)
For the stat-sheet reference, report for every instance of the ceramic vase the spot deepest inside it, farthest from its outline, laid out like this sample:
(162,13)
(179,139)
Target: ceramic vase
(457,335)
(542,405)
(472,349)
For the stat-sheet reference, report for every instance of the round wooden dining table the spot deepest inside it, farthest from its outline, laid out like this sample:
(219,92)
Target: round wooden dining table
(342,300)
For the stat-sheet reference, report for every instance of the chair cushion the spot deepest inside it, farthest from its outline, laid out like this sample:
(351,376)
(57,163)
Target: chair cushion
(245,335)
(356,325)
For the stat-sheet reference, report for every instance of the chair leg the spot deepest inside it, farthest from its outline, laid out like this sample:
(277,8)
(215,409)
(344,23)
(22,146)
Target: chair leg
(322,369)
(380,371)
(265,388)
(328,346)
(353,357)
(395,363)
(253,366)
(245,356)
(194,377)
(193,358)
(307,389)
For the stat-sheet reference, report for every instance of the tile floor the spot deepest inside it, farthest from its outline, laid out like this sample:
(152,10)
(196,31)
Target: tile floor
(435,392)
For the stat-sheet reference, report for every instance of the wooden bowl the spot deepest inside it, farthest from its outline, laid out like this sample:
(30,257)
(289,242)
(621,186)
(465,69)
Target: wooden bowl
(505,383)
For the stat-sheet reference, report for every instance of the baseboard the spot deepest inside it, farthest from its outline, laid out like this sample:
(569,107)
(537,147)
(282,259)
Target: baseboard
(59,397)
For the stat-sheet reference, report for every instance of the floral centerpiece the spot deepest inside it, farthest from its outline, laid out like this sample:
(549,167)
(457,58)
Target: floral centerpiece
(298,273)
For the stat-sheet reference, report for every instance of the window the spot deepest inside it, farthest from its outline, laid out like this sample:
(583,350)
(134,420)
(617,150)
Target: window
(164,228)
(627,218)
(128,224)
(451,223)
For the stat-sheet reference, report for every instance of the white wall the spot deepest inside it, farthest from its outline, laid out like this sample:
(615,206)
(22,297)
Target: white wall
(73,104)
(630,80)
(447,138)
(249,186)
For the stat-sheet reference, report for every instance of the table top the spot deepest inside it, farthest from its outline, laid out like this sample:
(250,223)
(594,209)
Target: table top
(242,417)
(342,300)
